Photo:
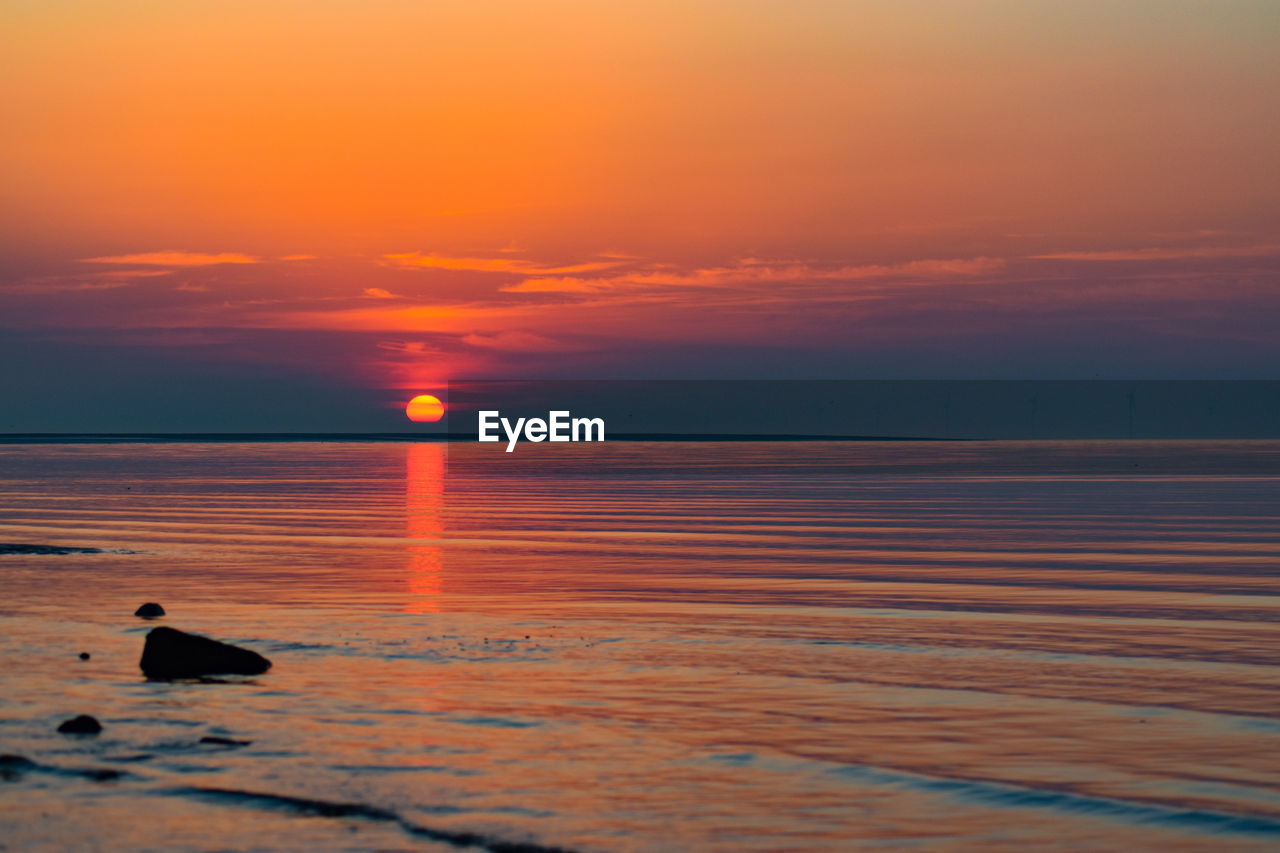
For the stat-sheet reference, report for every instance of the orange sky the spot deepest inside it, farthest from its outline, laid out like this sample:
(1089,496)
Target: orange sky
(449,182)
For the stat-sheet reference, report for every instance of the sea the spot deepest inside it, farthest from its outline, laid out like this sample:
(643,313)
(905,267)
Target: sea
(645,646)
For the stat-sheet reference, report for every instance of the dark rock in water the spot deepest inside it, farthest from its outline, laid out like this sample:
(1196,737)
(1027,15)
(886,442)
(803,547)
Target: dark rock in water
(170,653)
(150,610)
(84,656)
(81,725)
(10,760)
(13,766)
(99,774)
(45,550)
(129,759)
(224,741)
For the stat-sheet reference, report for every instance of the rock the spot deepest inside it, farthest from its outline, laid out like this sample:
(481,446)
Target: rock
(170,653)
(100,774)
(45,550)
(81,725)
(150,610)
(13,766)
(18,763)
(84,656)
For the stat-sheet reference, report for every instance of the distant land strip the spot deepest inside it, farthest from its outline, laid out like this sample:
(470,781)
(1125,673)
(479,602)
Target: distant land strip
(251,437)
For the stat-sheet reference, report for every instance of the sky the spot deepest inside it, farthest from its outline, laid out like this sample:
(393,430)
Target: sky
(297,215)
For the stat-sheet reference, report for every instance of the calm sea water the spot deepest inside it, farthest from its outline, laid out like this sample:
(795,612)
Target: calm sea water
(634,646)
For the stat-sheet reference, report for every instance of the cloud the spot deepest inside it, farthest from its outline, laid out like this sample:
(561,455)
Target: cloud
(750,271)
(38,288)
(175,259)
(442,318)
(516,341)
(105,280)
(378,293)
(406,347)
(518,266)
(559,285)
(1164,254)
(297,257)
(124,275)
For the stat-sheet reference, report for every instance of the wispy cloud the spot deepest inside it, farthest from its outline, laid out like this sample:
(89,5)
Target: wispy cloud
(104,280)
(524,315)
(437,318)
(405,347)
(175,259)
(518,266)
(1165,254)
(561,285)
(750,271)
(516,341)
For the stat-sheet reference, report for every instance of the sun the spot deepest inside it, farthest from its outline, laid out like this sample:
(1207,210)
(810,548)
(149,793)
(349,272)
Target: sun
(425,409)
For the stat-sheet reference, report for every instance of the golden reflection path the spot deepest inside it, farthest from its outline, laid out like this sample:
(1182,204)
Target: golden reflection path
(425,466)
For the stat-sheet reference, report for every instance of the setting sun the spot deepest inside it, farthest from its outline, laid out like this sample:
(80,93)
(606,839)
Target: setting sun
(425,409)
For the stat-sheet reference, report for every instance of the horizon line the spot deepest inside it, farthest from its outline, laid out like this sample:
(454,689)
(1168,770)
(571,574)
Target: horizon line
(142,437)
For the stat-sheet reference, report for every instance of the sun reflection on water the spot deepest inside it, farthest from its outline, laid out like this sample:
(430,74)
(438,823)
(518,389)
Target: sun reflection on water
(425,465)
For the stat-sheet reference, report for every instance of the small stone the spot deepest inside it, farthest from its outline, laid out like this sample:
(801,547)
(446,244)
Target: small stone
(150,610)
(101,774)
(81,725)
(84,656)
